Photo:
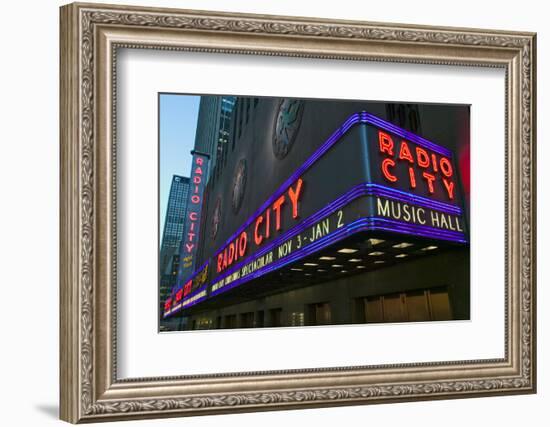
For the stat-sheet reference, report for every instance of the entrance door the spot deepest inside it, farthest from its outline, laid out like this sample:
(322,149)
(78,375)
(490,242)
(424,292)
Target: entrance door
(440,306)
(395,308)
(411,306)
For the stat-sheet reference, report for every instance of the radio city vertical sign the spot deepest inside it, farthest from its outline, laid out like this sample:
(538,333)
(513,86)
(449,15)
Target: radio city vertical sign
(190,239)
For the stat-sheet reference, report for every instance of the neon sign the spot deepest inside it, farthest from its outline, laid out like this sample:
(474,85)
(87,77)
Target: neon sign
(267,224)
(423,166)
(408,186)
(188,247)
(191,231)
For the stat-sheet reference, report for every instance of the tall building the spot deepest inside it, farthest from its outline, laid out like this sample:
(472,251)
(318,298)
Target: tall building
(185,203)
(213,126)
(174,222)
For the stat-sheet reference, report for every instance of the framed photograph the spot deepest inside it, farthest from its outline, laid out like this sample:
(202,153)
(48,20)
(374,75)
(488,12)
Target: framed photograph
(267,212)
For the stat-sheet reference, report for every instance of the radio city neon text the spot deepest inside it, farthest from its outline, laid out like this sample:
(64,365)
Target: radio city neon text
(264,226)
(424,167)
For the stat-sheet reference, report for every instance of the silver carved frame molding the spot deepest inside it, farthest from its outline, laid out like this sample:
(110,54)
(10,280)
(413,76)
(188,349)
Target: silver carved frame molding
(90,36)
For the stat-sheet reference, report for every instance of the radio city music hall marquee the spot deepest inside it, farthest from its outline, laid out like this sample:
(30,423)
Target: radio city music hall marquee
(395,182)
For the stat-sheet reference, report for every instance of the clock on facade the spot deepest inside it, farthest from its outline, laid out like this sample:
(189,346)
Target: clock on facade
(216,217)
(239,186)
(287,123)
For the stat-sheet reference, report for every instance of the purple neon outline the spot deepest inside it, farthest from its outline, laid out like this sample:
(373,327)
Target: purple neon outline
(165,315)
(362,117)
(197,271)
(178,286)
(403,196)
(355,192)
(390,127)
(365,189)
(362,224)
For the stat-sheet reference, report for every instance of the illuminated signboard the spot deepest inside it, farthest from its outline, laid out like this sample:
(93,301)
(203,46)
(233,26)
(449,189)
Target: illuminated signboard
(394,181)
(398,162)
(189,243)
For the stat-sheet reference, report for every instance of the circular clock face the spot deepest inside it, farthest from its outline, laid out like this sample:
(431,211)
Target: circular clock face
(287,123)
(239,186)
(216,217)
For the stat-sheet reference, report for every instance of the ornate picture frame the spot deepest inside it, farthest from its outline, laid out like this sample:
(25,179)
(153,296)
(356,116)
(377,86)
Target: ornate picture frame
(90,37)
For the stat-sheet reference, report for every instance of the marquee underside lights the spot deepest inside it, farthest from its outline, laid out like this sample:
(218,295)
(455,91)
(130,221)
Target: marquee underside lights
(409,187)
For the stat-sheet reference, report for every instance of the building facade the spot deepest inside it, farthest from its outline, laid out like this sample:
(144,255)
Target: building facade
(333,212)
(173,224)
(213,127)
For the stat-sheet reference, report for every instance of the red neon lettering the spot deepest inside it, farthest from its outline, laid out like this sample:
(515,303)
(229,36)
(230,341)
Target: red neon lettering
(193,216)
(412,178)
(293,195)
(224,263)
(198,171)
(190,236)
(197,179)
(220,262)
(430,180)
(385,164)
(434,163)
(267,223)
(187,287)
(446,167)
(243,238)
(231,253)
(405,153)
(199,161)
(257,238)
(385,142)
(450,187)
(189,247)
(277,208)
(422,157)
(195,199)
(192,226)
